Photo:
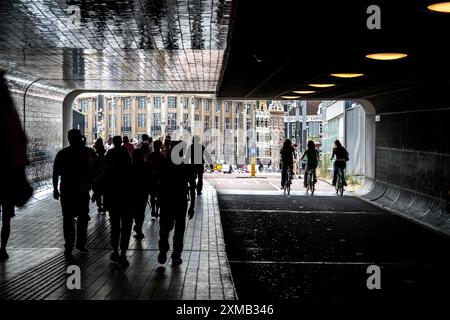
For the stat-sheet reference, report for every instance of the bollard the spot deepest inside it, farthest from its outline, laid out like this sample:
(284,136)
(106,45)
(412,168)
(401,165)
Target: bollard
(253,170)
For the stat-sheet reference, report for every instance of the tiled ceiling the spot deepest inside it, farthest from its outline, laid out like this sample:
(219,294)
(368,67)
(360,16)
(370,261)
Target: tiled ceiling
(149,45)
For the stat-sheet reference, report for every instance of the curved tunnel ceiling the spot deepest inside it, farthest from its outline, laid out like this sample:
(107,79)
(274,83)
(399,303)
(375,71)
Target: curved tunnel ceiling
(148,45)
(237,49)
(277,47)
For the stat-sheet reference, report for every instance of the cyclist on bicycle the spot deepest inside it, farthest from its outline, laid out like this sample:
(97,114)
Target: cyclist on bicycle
(287,160)
(312,159)
(341,158)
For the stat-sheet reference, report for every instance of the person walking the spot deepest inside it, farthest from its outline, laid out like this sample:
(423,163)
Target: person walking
(155,160)
(74,165)
(177,183)
(146,141)
(117,183)
(14,187)
(99,174)
(197,158)
(141,188)
(127,145)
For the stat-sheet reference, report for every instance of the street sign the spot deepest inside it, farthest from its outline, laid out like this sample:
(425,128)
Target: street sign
(253,151)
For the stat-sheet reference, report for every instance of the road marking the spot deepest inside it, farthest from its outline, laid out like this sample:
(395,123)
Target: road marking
(299,211)
(273,185)
(334,263)
(278,193)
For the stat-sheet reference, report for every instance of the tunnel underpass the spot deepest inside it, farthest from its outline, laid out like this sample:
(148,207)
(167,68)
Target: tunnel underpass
(246,55)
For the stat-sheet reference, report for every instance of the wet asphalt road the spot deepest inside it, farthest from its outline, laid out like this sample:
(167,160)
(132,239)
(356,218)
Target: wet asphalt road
(317,249)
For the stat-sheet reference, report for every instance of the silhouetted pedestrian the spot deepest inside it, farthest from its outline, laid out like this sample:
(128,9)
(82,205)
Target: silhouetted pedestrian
(166,145)
(127,145)
(146,141)
(74,165)
(197,158)
(99,174)
(14,187)
(141,188)
(117,183)
(177,183)
(155,160)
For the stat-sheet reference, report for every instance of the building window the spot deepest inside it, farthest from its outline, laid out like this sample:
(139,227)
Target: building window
(216,122)
(227,107)
(172,120)
(197,117)
(141,103)
(112,121)
(196,104)
(172,102)
(126,103)
(157,121)
(126,122)
(217,106)
(236,108)
(235,123)
(185,119)
(206,105)
(227,123)
(206,122)
(257,137)
(84,105)
(157,102)
(141,120)
(112,104)
(186,103)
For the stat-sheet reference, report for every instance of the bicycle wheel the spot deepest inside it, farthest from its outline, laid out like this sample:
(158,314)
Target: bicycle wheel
(341,183)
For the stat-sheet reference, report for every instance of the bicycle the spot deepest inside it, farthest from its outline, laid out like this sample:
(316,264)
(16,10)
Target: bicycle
(310,182)
(288,182)
(340,182)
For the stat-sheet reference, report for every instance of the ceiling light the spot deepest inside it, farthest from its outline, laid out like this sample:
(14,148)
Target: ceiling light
(440,7)
(386,56)
(304,91)
(347,75)
(322,85)
(290,97)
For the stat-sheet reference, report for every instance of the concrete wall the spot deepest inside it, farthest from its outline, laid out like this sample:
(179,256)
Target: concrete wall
(355,132)
(413,155)
(42,120)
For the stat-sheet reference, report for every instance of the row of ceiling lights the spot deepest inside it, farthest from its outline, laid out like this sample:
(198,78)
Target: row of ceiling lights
(443,7)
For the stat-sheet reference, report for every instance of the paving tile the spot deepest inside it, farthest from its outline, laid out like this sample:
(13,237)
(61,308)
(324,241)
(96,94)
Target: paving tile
(36,269)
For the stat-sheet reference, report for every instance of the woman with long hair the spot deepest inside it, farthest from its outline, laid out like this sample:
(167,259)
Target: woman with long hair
(341,159)
(287,160)
(312,160)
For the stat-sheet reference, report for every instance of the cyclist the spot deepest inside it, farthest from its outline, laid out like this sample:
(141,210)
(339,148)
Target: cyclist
(287,160)
(312,159)
(341,158)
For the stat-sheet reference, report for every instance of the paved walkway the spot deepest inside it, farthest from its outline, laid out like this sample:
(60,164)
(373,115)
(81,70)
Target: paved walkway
(37,267)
